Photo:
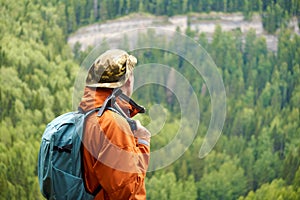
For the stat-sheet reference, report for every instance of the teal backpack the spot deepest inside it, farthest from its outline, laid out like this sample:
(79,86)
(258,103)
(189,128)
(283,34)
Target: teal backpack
(59,160)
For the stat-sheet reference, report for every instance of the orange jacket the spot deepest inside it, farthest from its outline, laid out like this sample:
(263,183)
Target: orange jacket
(112,156)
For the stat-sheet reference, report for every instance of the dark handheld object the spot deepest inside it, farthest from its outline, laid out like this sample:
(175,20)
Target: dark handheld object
(132,124)
(110,103)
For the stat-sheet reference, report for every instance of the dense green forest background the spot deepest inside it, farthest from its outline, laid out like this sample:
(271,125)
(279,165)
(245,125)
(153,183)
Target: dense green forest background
(258,154)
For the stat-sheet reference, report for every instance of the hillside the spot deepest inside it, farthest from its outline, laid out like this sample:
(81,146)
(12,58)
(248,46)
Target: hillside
(92,35)
(258,153)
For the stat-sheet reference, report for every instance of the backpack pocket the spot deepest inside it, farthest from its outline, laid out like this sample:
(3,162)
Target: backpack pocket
(68,187)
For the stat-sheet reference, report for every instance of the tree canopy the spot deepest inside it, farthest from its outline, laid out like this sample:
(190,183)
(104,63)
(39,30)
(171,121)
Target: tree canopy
(258,154)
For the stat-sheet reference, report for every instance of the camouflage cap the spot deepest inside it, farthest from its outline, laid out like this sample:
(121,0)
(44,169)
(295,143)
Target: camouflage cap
(111,69)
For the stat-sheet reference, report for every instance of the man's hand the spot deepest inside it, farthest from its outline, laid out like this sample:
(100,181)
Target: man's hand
(142,134)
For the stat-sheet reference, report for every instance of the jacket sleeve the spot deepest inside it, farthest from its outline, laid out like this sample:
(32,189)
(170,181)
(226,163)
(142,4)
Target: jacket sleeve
(122,162)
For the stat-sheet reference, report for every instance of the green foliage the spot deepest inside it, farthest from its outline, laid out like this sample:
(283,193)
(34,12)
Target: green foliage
(257,157)
(79,13)
(226,182)
(166,186)
(274,17)
(277,189)
(35,67)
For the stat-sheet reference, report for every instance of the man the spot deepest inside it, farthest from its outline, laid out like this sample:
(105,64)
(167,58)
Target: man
(115,154)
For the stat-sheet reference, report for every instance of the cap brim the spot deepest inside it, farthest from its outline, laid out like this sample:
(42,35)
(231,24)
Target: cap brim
(118,84)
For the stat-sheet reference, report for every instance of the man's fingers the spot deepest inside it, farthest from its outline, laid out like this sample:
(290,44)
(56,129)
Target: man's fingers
(141,130)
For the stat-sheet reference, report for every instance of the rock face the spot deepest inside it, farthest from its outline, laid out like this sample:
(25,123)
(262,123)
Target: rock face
(202,23)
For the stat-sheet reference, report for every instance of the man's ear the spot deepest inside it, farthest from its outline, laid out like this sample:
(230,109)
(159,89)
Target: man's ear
(130,79)
(127,83)
(128,86)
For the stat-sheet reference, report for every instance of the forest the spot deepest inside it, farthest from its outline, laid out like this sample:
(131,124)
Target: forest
(258,153)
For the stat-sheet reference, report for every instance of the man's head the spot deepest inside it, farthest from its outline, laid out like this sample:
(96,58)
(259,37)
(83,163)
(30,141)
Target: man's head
(112,69)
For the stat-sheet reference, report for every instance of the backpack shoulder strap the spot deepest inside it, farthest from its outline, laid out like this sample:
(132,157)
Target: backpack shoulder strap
(91,111)
(87,113)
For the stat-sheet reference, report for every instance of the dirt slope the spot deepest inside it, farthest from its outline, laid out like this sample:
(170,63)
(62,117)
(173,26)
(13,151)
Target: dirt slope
(94,34)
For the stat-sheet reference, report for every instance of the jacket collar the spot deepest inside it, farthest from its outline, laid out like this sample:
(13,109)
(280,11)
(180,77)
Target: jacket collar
(95,97)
